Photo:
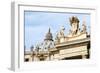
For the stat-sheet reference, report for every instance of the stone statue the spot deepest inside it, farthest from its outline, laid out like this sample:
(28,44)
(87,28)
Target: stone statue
(60,37)
(84,27)
(61,33)
(74,22)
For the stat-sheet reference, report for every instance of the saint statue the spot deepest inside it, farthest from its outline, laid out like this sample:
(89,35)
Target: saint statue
(84,26)
(74,22)
(61,33)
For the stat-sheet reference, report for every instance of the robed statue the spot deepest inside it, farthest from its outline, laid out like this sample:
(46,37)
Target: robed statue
(74,22)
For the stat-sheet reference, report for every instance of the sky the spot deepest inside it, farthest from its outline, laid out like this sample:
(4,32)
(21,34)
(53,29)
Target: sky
(37,24)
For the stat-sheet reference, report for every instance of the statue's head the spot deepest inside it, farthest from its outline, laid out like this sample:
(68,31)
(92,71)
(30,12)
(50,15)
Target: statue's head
(74,20)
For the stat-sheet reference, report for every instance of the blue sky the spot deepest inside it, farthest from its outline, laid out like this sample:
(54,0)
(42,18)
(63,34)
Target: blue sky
(38,23)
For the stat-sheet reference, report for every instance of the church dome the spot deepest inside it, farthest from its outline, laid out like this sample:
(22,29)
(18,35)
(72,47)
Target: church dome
(49,36)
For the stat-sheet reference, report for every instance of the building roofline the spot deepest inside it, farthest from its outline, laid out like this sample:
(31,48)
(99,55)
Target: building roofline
(73,42)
